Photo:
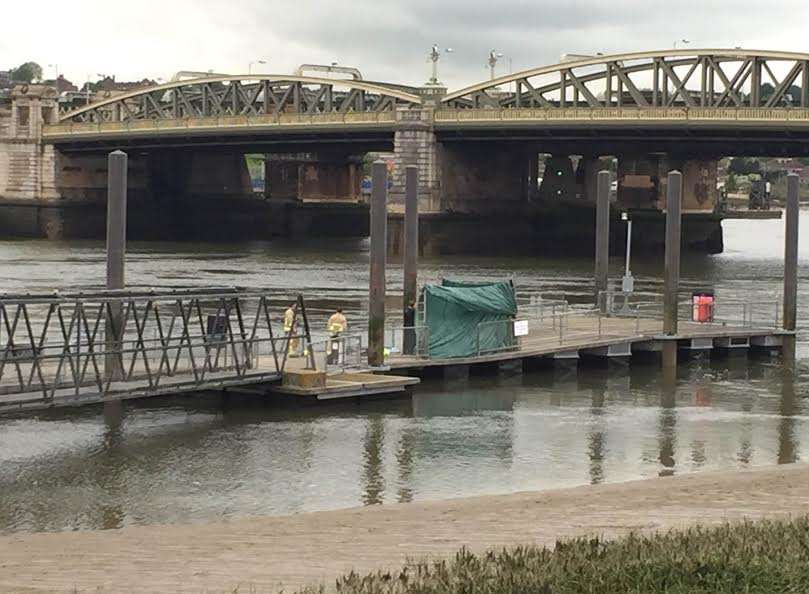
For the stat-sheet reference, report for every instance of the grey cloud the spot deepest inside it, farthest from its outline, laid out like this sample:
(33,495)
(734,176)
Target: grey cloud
(387,40)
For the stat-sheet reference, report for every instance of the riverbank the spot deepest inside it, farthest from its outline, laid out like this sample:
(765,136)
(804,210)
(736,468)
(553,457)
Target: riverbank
(266,554)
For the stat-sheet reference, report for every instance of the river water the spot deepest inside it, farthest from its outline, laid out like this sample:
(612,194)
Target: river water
(201,459)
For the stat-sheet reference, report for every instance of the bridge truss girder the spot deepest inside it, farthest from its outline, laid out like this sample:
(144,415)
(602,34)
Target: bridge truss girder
(684,78)
(244,96)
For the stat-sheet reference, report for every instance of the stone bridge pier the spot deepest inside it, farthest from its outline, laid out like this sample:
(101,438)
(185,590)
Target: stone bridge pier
(27,168)
(415,143)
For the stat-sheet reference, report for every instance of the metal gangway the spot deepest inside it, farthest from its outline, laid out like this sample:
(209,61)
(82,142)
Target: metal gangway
(86,347)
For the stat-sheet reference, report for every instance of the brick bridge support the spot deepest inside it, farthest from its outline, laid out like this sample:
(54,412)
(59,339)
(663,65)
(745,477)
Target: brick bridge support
(642,181)
(218,174)
(314,177)
(480,178)
(587,175)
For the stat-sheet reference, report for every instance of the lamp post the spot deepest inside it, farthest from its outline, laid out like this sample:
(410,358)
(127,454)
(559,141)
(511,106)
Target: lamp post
(494,55)
(683,41)
(435,55)
(250,65)
(628,282)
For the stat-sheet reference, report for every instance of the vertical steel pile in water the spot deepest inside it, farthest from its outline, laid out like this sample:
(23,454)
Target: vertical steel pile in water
(376,305)
(116,256)
(791,268)
(671,280)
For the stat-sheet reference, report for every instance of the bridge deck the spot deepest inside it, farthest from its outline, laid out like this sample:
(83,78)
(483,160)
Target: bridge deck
(596,334)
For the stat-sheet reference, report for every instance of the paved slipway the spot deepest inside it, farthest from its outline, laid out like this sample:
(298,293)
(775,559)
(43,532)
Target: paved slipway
(269,553)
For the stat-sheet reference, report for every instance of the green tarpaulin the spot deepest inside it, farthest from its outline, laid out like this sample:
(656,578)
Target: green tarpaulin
(466,318)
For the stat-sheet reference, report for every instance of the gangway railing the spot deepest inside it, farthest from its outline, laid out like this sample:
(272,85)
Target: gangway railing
(337,354)
(117,344)
(618,315)
(413,341)
(757,313)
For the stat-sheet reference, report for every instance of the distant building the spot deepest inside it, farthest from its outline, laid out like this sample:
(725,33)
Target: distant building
(61,84)
(5,79)
(109,84)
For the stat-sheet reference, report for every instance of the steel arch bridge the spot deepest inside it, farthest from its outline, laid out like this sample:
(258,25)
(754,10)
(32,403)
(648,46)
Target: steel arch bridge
(238,102)
(689,78)
(712,89)
(245,96)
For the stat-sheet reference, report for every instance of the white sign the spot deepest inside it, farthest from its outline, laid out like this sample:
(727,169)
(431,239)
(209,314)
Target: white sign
(521,328)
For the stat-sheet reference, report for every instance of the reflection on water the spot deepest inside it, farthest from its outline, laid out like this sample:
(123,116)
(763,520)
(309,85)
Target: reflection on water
(205,458)
(198,460)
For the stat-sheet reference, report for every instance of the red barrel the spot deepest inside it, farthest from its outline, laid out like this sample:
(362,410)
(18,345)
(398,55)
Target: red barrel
(703,304)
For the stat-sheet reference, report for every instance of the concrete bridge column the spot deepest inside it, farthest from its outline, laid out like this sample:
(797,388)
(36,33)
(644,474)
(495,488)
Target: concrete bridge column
(219,174)
(532,191)
(313,178)
(588,169)
(481,178)
(641,181)
(699,184)
(414,143)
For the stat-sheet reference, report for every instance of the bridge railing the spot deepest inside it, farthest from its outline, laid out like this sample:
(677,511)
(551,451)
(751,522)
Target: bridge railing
(622,114)
(94,346)
(218,122)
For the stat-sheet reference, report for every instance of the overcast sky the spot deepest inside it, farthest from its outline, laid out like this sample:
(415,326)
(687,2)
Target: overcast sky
(386,39)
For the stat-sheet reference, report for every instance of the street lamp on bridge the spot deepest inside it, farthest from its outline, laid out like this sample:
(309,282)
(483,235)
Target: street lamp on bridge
(494,55)
(435,55)
(250,65)
(683,41)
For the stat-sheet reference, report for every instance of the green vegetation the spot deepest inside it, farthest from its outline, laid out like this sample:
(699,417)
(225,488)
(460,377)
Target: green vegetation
(27,73)
(255,165)
(763,557)
(744,166)
(731,184)
(779,190)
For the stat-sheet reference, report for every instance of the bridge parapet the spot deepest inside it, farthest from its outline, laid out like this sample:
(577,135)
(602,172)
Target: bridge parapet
(217,124)
(622,114)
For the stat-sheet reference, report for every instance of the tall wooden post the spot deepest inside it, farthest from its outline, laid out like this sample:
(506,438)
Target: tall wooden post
(376,306)
(671,282)
(116,256)
(411,258)
(602,271)
(411,235)
(791,268)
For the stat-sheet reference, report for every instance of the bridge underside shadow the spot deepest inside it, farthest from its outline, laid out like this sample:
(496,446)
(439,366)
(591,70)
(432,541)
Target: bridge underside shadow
(199,193)
(492,196)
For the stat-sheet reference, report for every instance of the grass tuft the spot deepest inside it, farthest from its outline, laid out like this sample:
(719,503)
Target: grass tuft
(752,557)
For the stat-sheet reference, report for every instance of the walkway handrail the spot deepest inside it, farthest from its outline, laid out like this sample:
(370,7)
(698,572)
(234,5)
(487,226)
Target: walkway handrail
(764,313)
(108,344)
